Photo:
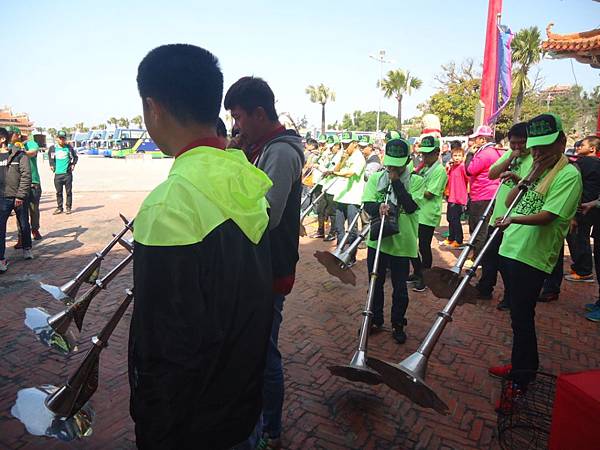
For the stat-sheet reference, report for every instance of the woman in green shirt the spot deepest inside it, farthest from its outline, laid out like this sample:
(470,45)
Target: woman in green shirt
(533,236)
(396,250)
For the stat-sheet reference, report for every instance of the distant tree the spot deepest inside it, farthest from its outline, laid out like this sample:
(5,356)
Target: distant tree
(123,122)
(113,121)
(40,130)
(52,132)
(101,126)
(367,121)
(137,120)
(526,52)
(79,126)
(321,94)
(397,84)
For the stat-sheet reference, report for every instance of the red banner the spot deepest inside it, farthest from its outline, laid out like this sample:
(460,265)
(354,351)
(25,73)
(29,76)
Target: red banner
(489,78)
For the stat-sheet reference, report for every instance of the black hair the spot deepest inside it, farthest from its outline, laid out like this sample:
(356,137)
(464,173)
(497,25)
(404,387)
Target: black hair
(4,133)
(250,93)
(578,143)
(221,128)
(311,141)
(455,144)
(594,141)
(518,130)
(185,79)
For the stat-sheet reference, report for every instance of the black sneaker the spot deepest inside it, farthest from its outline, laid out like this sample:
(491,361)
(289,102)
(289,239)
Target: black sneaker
(57,211)
(419,285)
(69,211)
(375,328)
(398,332)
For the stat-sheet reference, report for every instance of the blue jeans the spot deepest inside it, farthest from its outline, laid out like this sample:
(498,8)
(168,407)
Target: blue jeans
(273,382)
(345,212)
(6,206)
(22,213)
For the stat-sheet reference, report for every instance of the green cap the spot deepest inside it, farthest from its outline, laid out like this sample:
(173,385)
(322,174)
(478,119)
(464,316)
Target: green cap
(393,134)
(12,129)
(322,139)
(429,144)
(543,130)
(61,133)
(349,136)
(365,140)
(333,139)
(396,153)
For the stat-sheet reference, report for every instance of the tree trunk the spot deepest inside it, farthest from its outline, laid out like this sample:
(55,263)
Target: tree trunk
(399,124)
(322,118)
(518,105)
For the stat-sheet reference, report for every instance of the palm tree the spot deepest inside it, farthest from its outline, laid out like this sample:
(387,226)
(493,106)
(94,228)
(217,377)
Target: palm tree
(101,126)
(398,83)
(113,121)
(321,94)
(52,132)
(123,122)
(40,130)
(137,120)
(79,126)
(526,52)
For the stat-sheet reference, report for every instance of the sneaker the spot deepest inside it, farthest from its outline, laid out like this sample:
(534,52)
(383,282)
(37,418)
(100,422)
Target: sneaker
(57,211)
(375,328)
(580,278)
(36,235)
(468,264)
(500,371)
(546,297)
(456,245)
(503,306)
(19,244)
(591,307)
(69,211)
(594,316)
(330,237)
(268,443)
(398,332)
(3,265)
(510,399)
(27,254)
(419,285)
(317,235)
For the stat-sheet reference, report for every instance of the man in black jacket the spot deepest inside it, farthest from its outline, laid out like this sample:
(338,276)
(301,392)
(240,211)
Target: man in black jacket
(62,158)
(202,269)
(15,183)
(279,153)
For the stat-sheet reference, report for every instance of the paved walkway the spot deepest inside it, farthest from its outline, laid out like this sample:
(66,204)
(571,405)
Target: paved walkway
(320,325)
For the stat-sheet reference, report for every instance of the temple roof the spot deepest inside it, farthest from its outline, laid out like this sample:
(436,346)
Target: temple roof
(583,46)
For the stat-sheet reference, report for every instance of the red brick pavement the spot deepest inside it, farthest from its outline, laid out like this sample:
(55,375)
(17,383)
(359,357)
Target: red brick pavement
(321,319)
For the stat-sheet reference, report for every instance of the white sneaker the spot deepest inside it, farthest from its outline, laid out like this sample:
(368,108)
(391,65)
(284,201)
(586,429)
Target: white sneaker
(27,254)
(3,265)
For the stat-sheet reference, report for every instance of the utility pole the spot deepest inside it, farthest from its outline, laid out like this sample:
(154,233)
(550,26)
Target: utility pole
(381,59)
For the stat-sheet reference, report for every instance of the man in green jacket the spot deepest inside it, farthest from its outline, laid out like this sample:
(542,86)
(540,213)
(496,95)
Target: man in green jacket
(202,269)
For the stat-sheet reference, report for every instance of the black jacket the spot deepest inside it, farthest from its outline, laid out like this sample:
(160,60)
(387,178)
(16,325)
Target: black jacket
(17,175)
(198,340)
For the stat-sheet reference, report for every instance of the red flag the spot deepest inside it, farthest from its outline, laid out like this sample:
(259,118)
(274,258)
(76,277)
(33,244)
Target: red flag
(489,78)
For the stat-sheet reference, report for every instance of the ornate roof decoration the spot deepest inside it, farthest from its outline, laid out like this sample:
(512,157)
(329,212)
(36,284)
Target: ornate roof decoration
(583,46)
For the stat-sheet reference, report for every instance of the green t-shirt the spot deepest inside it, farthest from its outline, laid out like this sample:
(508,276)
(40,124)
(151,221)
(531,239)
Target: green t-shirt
(538,246)
(434,182)
(62,158)
(520,166)
(35,174)
(353,187)
(405,242)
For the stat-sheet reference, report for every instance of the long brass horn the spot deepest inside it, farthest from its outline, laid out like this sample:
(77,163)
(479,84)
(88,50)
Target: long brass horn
(80,387)
(358,370)
(76,312)
(337,262)
(312,204)
(408,376)
(68,291)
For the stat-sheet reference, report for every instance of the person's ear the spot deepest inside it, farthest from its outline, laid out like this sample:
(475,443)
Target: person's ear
(152,109)
(260,114)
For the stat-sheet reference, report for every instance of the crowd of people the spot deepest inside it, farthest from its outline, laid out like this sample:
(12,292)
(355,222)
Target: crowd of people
(21,189)
(216,244)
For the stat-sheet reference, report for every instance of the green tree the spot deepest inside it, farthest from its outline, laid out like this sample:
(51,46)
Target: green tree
(52,132)
(123,122)
(137,120)
(367,121)
(40,130)
(79,126)
(113,121)
(397,84)
(101,126)
(321,94)
(526,52)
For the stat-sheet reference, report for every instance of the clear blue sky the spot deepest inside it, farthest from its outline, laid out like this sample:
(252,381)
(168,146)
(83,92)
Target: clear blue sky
(81,56)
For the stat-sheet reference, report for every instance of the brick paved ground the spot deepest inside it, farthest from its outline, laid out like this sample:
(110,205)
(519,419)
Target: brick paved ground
(319,329)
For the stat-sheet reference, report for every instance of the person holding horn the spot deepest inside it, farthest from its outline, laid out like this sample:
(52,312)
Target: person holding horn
(325,206)
(533,237)
(400,242)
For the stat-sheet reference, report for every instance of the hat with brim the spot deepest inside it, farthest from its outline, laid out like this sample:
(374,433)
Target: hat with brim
(365,140)
(348,137)
(332,140)
(61,134)
(483,131)
(429,144)
(543,130)
(14,130)
(393,134)
(322,139)
(396,153)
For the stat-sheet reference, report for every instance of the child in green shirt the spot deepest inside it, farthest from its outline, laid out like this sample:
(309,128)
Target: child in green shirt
(397,249)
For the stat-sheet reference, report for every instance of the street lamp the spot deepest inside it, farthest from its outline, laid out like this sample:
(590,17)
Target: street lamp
(381,59)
